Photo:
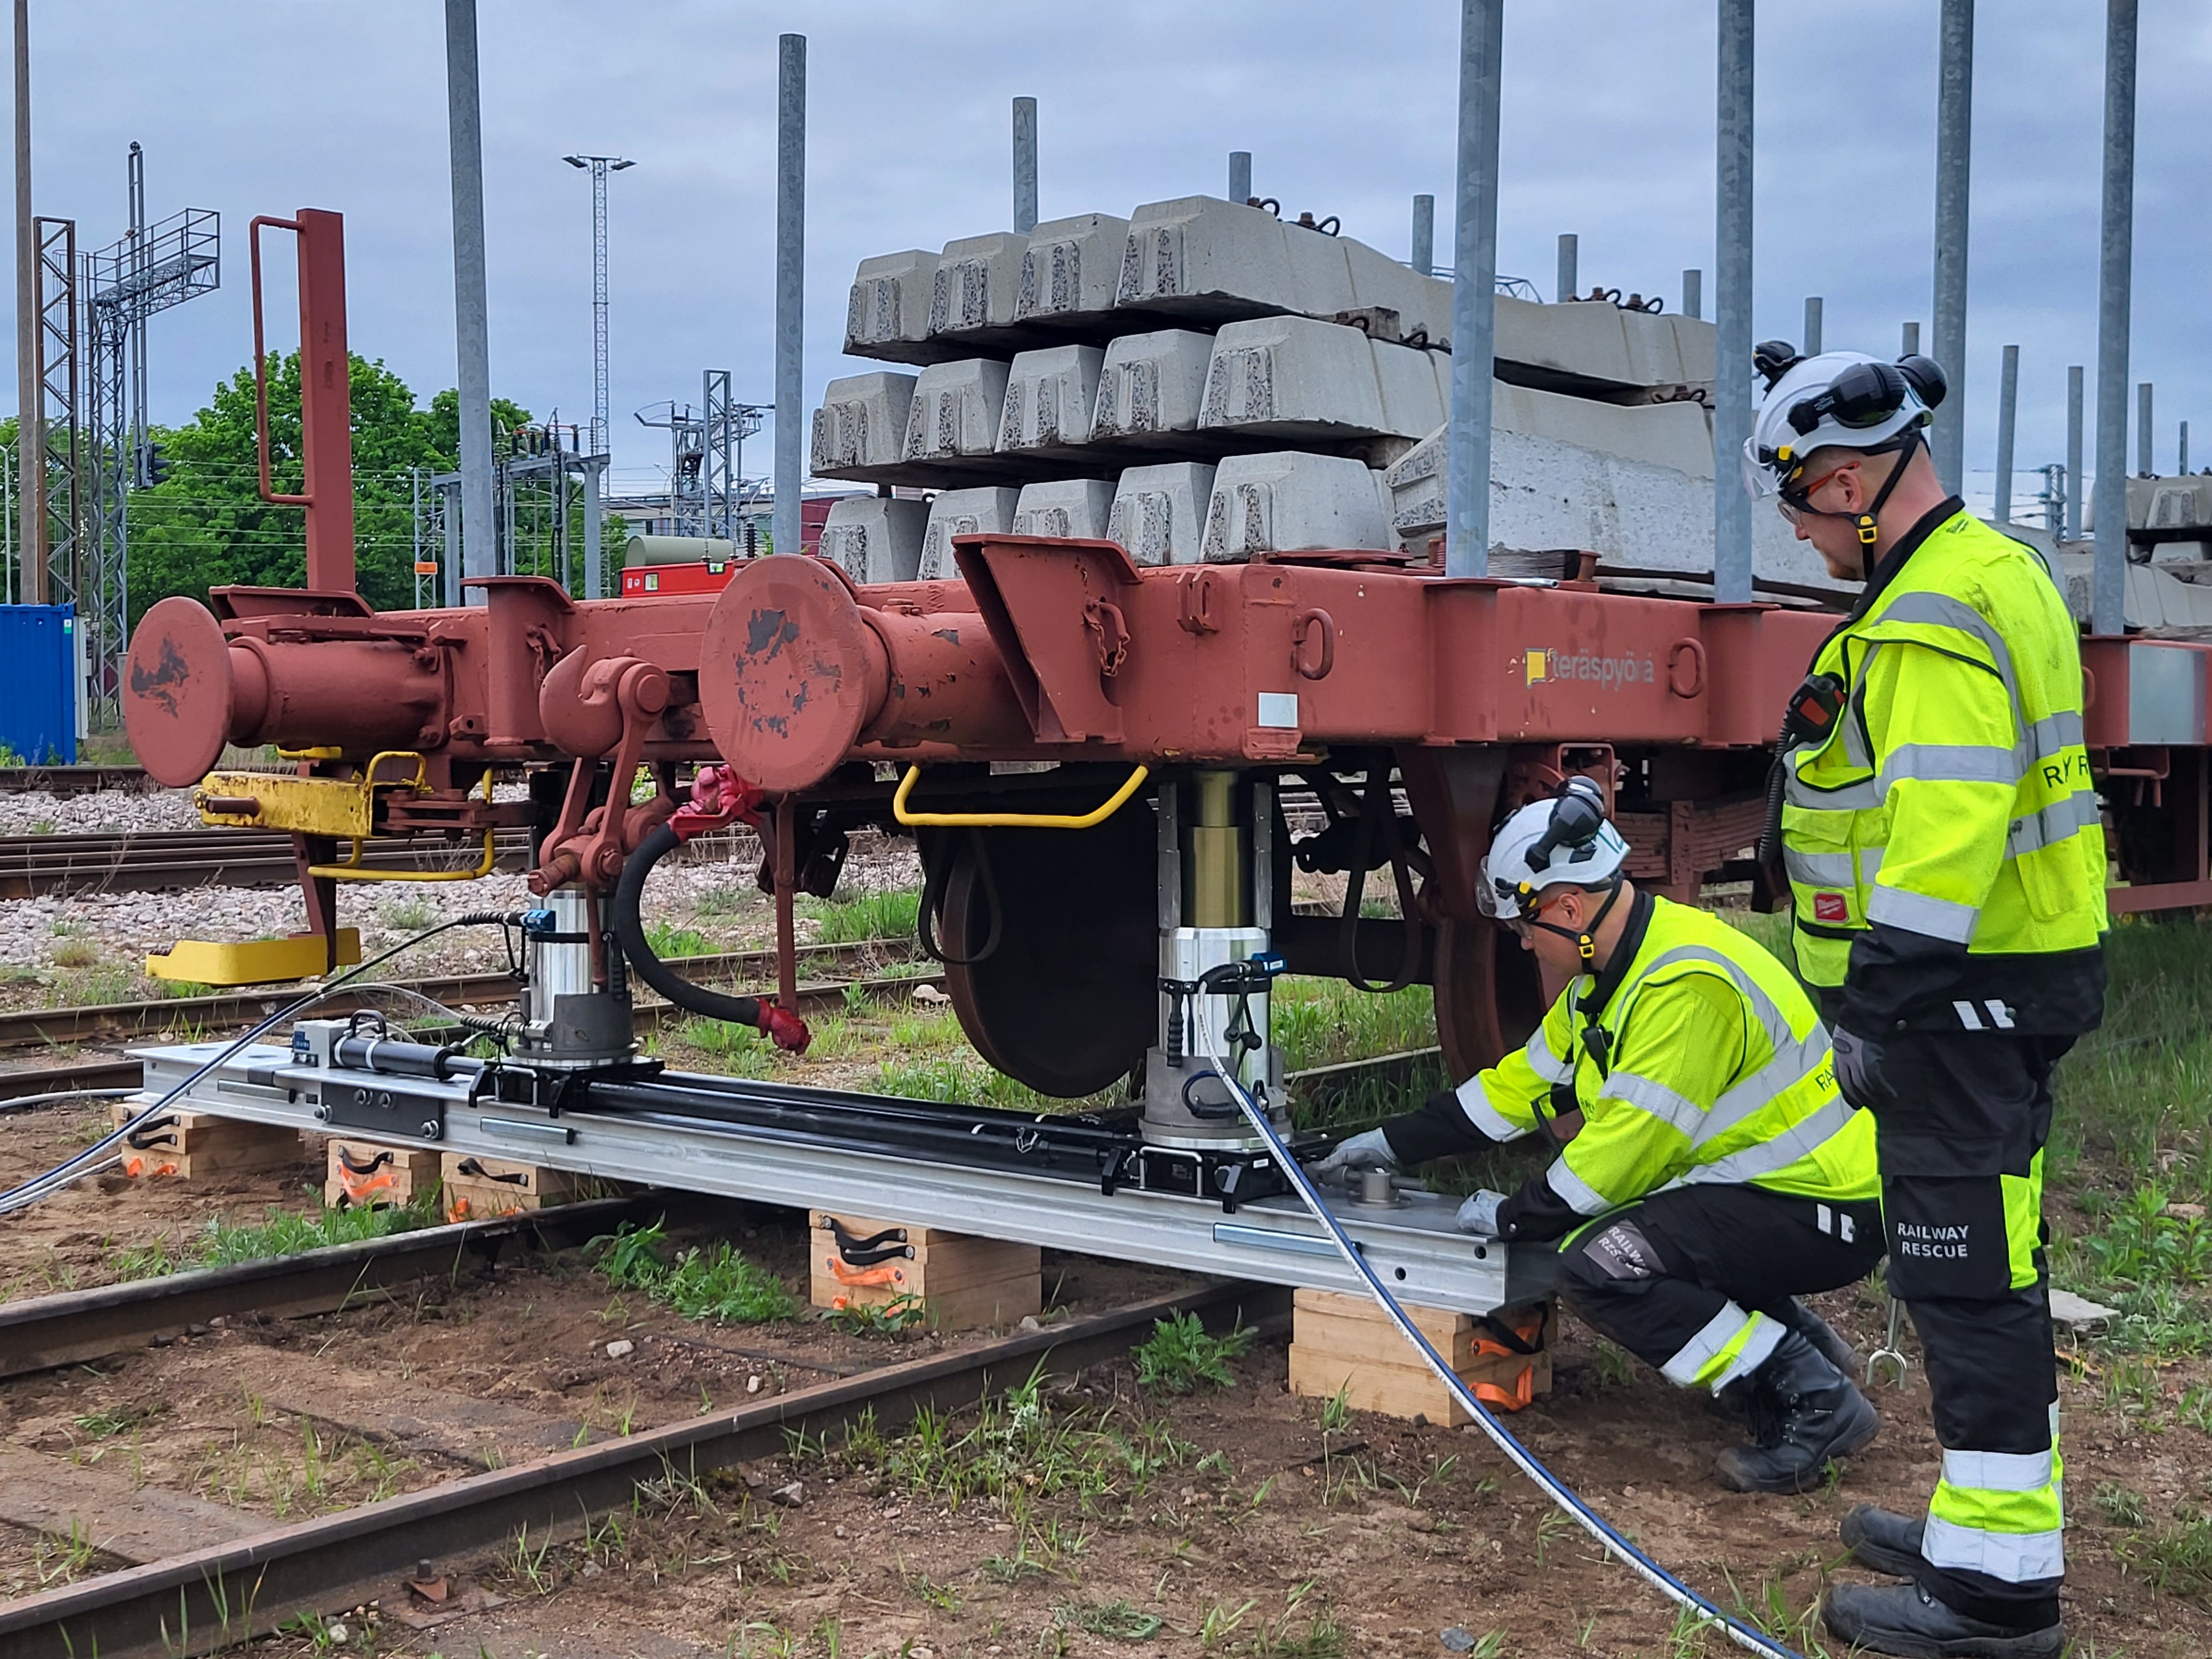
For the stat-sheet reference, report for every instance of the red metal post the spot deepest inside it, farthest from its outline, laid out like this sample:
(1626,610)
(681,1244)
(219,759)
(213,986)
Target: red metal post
(325,395)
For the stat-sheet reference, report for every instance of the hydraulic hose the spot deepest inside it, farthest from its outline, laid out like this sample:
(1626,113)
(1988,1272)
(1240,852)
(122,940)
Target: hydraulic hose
(1556,1489)
(102,1151)
(761,1013)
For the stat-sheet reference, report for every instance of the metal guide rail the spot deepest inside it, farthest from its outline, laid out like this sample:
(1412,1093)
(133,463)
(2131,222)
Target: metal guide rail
(1085,1183)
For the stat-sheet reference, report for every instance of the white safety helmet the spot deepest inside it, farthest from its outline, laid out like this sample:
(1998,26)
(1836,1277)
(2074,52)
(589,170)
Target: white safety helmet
(1844,399)
(1564,841)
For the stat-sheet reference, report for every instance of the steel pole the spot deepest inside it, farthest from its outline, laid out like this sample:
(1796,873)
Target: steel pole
(1954,123)
(1568,284)
(594,554)
(2007,417)
(2108,580)
(30,436)
(1908,340)
(1240,175)
(1425,235)
(1474,291)
(2181,466)
(1693,294)
(2074,479)
(1732,298)
(1025,164)
(471,326)
(2146,457)
(602,422)
(790,284)
(1813,310)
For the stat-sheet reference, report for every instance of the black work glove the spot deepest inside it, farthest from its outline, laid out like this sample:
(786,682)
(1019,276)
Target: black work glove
(1858,1070)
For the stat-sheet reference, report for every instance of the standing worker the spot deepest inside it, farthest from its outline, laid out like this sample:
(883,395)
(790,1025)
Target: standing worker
(1946,861)
(1712,1173)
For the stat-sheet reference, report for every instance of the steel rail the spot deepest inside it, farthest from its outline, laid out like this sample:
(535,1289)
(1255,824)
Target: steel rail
(67,1328)
(218,1595)
(29,1027)
(75,780)
(139,861)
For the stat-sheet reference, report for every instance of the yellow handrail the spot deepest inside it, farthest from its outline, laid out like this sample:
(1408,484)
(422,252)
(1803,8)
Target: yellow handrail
(354,870)
(1011,820)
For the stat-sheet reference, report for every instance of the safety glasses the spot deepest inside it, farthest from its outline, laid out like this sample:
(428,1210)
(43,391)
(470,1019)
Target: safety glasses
(1798,502)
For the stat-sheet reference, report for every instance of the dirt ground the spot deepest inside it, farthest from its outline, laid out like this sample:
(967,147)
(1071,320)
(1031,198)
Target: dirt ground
(1227,1521)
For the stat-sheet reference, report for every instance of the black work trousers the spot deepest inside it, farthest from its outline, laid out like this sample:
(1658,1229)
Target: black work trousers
(1682,1279)
(1960,1121)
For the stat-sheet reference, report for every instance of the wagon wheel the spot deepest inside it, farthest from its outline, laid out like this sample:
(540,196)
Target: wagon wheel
(1489,995)
(1067,1000)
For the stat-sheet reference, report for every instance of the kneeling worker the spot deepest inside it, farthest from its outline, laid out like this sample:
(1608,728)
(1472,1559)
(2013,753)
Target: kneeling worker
(1716,1174)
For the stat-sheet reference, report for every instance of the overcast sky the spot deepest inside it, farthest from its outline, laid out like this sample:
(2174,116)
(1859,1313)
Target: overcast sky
(266,106)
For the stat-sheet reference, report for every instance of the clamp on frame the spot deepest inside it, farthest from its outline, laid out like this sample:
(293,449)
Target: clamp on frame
(354,870)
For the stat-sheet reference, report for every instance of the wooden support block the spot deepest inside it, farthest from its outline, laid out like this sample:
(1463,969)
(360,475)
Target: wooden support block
(199,1144)
(484,1201)
(530,1180)
(360,1173)
(965,1283)
(1346,1344)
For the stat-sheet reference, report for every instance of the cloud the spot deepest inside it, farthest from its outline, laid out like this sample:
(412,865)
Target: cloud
(265,106)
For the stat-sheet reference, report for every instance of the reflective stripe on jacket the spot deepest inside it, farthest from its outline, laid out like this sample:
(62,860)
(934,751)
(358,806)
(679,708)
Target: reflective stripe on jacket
(1952,801)
(1712,1068)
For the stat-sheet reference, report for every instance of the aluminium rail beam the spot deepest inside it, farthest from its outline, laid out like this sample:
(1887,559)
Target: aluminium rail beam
(1412,1243)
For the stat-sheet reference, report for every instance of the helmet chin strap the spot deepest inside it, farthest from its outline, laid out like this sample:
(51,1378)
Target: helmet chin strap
(1867,524)
(1586,940)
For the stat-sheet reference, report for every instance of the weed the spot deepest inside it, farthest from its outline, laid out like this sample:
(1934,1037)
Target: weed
(280,1233)
(2177,1558)
(1549,1527)
(1298,1635)
(1336,1410)
(530,1565)
(1615,1369)
(59,1560)
(408,915)
(717,1284)
(141,1262)
(943,1597)
(2118,1504)
(106,1425)
(1117,1621)
(901,1314)
(1221,1621)
(75,953)
(879,915)
(1180,1354)
(669,941)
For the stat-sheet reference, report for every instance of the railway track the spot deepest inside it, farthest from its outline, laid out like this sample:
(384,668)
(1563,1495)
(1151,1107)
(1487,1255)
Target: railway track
(211,1597)
(143,861)
(75,779)
(27,1028)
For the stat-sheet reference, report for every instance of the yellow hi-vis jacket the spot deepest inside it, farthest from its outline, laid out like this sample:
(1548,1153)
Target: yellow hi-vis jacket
(1705,1064)
(1943,843)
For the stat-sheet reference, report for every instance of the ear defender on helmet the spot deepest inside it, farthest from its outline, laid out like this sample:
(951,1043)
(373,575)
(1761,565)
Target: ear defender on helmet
(1773,359)
(1577,816)
(1926,377)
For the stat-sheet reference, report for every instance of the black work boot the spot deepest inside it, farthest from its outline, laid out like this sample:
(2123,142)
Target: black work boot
(1824,1337)
(1904,1620)
(1886,1541)
(1818,1414)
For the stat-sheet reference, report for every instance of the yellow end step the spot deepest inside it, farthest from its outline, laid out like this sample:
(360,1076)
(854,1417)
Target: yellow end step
(255,962)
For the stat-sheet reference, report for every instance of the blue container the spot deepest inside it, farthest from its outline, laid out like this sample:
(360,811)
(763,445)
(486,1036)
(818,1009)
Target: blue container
(39,683)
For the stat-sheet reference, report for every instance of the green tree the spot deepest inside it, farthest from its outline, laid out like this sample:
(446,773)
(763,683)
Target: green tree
(206,525)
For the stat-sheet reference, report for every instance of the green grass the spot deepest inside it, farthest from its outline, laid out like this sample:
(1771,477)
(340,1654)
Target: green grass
(717,1284)
(669,940)
(865,916)
(1180,1354)
(278,1233)
(2176,1558)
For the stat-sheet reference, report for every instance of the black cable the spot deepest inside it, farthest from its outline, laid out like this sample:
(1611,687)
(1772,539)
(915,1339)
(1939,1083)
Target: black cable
(933,883)
(74,1168)
(629,929)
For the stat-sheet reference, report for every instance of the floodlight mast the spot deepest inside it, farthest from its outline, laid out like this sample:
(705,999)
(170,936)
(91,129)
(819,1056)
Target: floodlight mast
(599,167)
